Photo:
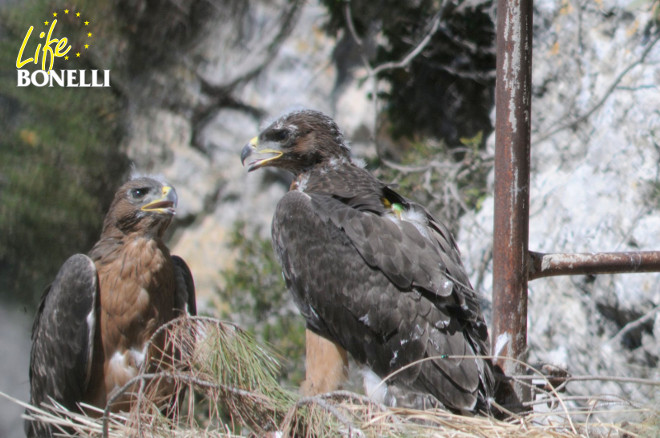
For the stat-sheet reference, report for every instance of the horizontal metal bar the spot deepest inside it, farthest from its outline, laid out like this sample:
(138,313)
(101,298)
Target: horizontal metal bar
(547,265)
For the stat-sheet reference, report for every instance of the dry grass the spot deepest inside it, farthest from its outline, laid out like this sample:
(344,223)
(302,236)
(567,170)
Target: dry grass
(233,390)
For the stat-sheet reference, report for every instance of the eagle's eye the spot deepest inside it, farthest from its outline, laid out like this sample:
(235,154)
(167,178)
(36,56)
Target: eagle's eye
(139,192)
(279,135)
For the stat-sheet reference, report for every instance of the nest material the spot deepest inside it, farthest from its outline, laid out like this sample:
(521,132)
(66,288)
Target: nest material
(233,390)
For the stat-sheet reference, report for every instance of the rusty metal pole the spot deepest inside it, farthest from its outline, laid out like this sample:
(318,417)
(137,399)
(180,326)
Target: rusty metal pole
(547,265)
(512,165)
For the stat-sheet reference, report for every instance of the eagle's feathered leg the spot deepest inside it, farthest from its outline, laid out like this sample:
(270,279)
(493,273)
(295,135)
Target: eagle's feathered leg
(326,365)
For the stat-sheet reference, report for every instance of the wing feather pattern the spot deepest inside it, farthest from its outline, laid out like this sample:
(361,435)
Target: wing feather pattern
(185,287)
(371,270)
(63,336)
(411,300)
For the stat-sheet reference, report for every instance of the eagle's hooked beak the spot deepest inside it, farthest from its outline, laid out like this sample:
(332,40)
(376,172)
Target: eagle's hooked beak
(166,204)
(251,148)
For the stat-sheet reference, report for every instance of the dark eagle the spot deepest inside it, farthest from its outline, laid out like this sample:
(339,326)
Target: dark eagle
(91,330)
(372,271)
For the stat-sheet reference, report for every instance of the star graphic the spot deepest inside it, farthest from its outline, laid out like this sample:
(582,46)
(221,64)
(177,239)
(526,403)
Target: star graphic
(46,23)
(66,11)
(66,58)
(78,55)
(89,34)
(77,14)
(54,14)
(86,23)
(87,46)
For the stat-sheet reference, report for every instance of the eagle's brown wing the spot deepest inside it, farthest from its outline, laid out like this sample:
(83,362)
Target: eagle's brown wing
(63,338)
(185,287)
(384,289)
(417,252)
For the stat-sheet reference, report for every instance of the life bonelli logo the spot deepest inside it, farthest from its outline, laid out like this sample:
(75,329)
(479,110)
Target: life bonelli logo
(43,44)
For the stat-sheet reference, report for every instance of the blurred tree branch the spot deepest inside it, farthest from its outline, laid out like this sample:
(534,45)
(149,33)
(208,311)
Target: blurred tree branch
(608,92)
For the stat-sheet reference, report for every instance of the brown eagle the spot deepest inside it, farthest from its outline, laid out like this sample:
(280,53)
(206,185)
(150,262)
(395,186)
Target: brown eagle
(91,330)
(372,272)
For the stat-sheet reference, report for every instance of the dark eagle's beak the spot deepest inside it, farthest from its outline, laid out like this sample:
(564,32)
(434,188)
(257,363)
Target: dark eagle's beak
(252,148)
(166,204)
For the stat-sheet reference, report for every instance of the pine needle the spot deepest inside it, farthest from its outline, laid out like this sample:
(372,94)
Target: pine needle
(233,389)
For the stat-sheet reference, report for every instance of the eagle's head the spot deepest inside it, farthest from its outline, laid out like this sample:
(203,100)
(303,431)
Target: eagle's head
(297,142)
(143,205)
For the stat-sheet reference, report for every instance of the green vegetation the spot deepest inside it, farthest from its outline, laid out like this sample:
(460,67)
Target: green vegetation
(232,381)
(60,157)
(445,92)
(59,165)
(448,181)
(436,104)
(248,390)
(259,302)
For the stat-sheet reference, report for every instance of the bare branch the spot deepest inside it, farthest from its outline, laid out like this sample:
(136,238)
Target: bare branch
(414,52)
(420,168)
(603,98)
(372,73)
(348,15)
(632,325)
(618,379)
(609,399)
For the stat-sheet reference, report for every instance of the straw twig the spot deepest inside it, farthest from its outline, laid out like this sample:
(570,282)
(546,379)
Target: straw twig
(237,378)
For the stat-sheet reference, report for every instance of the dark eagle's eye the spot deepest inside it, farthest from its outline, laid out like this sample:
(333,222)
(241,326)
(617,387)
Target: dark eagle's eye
(279,135)
(140,192)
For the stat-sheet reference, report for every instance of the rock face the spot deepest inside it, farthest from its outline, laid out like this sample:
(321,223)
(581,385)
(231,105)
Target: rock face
(276,59)
(594,187)
(15,345)
(595,155)
(595,159)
